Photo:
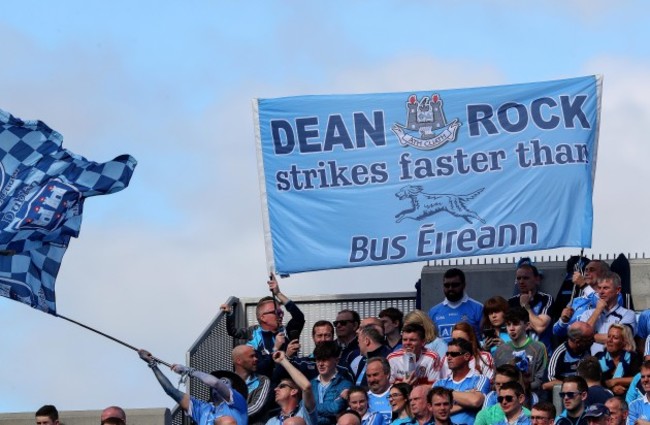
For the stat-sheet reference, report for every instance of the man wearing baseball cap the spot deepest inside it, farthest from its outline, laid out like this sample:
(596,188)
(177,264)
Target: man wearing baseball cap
(227,393)
(597,414)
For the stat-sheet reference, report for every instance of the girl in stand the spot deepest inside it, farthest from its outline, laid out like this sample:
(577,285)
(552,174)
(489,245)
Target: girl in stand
(358,401)
(493,323)
(398,397)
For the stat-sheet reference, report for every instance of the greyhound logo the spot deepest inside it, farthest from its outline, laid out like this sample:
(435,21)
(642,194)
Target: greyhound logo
(426,125)
(427,204)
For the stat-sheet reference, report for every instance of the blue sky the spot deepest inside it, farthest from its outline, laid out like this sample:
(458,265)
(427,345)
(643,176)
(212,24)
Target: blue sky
(171,83)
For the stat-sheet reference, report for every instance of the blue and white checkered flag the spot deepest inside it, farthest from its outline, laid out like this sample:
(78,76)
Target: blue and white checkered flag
(42,191)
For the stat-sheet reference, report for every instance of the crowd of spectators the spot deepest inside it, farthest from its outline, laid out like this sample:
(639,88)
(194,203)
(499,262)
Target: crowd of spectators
(462,362)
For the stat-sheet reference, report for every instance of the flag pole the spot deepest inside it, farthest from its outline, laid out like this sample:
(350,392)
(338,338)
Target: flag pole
(580,269)
(110,337)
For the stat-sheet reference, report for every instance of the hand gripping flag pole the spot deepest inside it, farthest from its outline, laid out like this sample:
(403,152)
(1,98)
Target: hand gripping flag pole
(578,268)
(111,338)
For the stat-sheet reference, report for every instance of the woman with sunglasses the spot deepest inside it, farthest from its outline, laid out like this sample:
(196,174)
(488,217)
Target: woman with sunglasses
(398,398)
(432,341)
(493,323)
(619,362)
(358,401)
(481,361)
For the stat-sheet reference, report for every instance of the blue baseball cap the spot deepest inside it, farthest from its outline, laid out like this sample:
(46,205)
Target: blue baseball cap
(596,410)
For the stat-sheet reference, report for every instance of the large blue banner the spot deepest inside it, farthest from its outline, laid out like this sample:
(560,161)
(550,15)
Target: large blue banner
(42,193)
(361,180)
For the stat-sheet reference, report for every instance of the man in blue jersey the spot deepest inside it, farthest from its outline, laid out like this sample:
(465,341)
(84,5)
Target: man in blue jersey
(467,385)
(457,306)
(378,377)
(643,333)
(227,393)
(639,409)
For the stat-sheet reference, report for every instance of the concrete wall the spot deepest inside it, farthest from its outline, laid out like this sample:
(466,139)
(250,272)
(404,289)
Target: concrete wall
(160,416)
(487,280)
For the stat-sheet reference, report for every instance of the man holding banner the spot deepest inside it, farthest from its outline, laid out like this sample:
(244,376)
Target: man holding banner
(269,335)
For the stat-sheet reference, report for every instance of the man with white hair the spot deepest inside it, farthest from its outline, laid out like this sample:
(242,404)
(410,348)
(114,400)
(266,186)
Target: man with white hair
(607,311)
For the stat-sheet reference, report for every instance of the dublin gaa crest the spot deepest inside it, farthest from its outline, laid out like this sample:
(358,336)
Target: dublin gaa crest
(426,126)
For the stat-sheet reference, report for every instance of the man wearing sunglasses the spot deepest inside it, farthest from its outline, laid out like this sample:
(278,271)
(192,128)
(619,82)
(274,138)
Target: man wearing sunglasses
(573,396)
(456,307)
(269,335)
(346,325)
(467,385)
(294,395)
(511,399)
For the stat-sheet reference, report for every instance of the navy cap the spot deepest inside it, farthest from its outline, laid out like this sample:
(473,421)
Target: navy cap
(596,410)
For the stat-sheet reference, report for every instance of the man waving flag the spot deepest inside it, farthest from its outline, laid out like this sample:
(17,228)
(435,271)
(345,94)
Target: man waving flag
(42,191)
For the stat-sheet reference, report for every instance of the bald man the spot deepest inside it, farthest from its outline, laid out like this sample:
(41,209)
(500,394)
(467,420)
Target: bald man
(113,415)
(565,358)
(225,420)
(295,420)
(244,360)
(421,409)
